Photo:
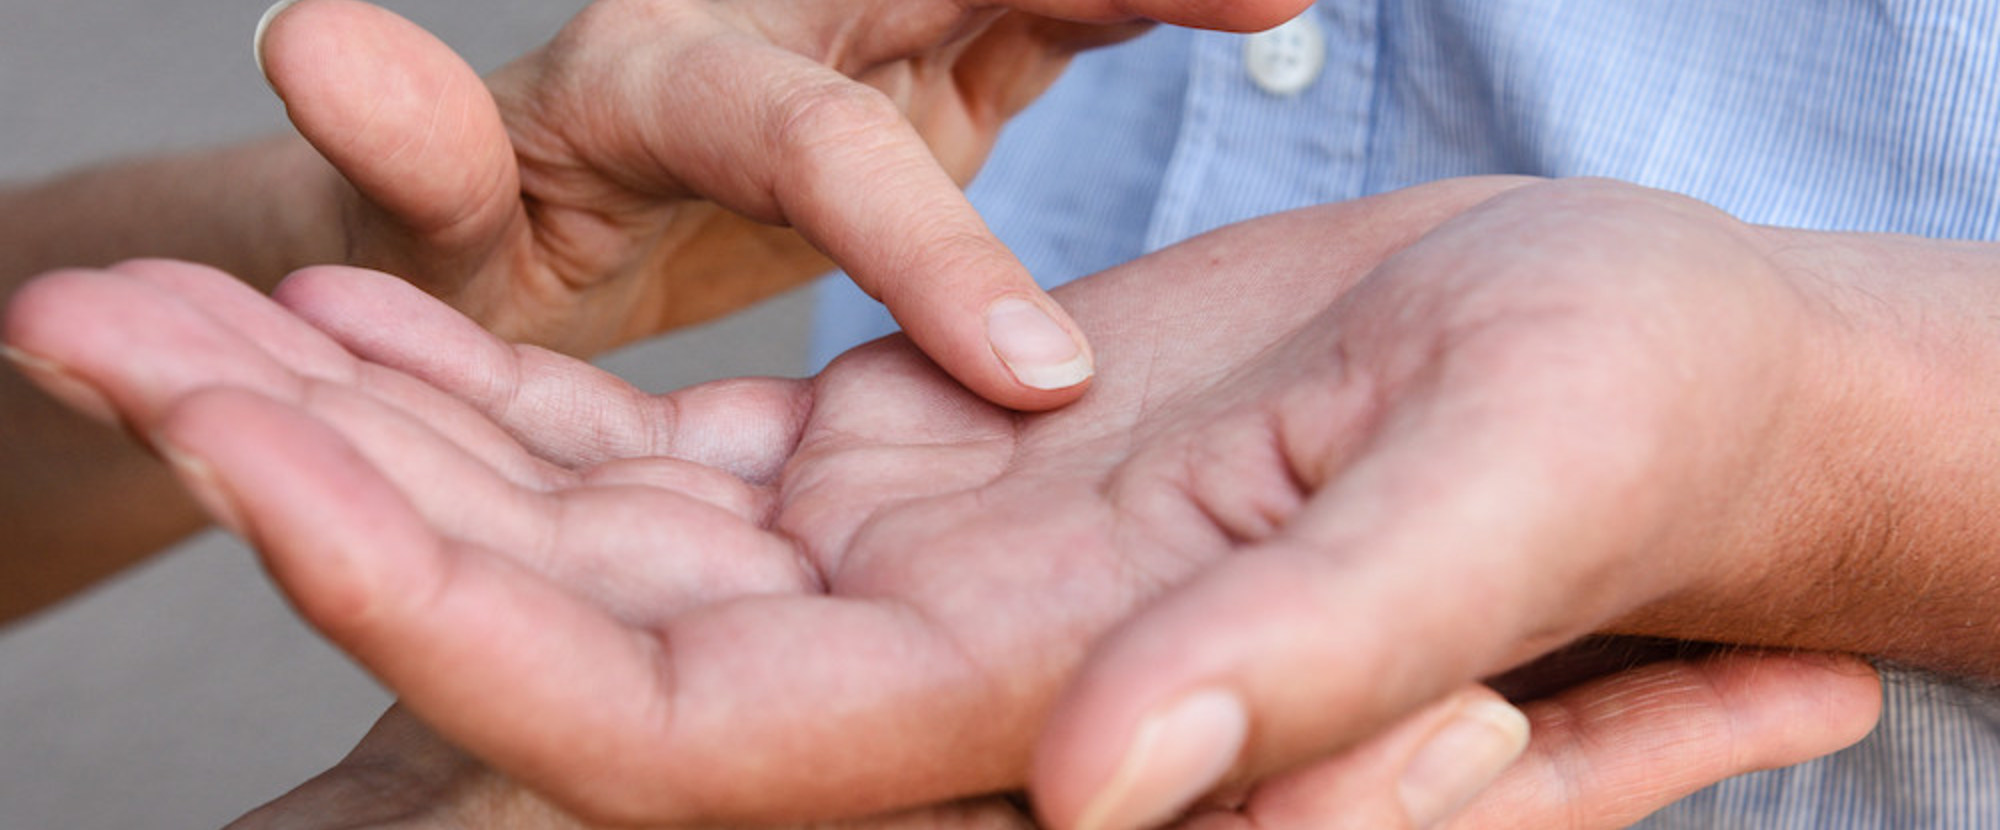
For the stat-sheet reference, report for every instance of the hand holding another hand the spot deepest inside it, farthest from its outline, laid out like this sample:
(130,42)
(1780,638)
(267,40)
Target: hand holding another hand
(1342,463)
(1603,754)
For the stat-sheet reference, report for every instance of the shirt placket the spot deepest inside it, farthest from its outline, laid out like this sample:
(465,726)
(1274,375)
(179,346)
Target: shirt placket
(1277,110)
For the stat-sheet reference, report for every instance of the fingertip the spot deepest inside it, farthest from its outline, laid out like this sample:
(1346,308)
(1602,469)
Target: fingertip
(902,229)
(1020,351)
(33,311)
(1481,738)
(394,109)
(346,290)
(1801,704)
(62,384)
(1179,752)
(62,329)
(1039,346)
(1304,642)
(263,30)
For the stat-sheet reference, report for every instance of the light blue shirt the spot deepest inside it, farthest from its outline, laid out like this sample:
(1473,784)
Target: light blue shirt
(1876,115)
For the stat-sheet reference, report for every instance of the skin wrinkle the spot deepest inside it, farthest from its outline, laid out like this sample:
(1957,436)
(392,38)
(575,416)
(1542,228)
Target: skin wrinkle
(1274,430)
(1564,773)
(1269,516)
(1184,484)
(500,393)
(569,234)
(1245,514)
(824,443)
(568,240)
(1128,521)
(637,420)
(1312,467)
(1116,491)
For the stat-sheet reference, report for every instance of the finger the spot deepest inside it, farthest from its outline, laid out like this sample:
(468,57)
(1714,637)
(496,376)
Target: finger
(628,537)
(860,184)
(857,181)
(560,409)
(1479,550)
(1477,485)
(776,136)
(1613,751)
(1602,755)
(144,342)
(141,334)
(248,312)
(403,119)
(502,662)
(604,533)
(1412,775)
(754,706)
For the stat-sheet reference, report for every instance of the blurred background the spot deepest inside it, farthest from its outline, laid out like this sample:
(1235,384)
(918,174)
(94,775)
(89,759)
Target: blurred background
(185,692)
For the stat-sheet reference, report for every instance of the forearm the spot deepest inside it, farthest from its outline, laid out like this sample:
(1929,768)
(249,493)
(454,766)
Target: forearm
(80,500)
(258,210)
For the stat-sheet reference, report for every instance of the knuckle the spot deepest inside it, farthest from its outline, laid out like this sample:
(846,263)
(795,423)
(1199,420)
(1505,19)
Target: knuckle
(833,114)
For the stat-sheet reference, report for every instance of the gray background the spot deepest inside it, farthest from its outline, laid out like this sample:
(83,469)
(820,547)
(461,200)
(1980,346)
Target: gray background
(185,692)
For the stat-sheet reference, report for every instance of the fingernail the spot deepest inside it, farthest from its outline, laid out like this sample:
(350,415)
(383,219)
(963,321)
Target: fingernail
(1179,753)
(1037,349)
(199,479)
(62,385)
(263,26)
(1459,760)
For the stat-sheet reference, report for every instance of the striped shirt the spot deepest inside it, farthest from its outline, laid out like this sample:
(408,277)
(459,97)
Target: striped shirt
(1879,115)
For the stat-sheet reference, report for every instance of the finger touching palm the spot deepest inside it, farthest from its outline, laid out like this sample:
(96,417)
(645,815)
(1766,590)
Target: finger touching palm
(780,600)
(663,162)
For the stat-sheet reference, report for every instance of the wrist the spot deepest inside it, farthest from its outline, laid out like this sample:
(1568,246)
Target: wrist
(1870,511)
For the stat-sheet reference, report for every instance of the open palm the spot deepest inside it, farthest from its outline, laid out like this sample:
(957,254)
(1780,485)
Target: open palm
(866,590)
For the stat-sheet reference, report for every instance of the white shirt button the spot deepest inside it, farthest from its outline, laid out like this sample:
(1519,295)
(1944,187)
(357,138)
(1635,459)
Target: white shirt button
(1285,60)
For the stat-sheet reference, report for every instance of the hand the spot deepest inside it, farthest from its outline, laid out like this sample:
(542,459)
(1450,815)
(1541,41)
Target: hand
(561,204)
(558,202)
(1602,755)
(541,569)
(559,537)
(546,602)
(403,776)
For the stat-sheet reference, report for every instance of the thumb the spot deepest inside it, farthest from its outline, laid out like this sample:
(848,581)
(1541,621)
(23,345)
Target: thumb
(1612,751)
(1604,753)
(1439,554)
(399,115)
